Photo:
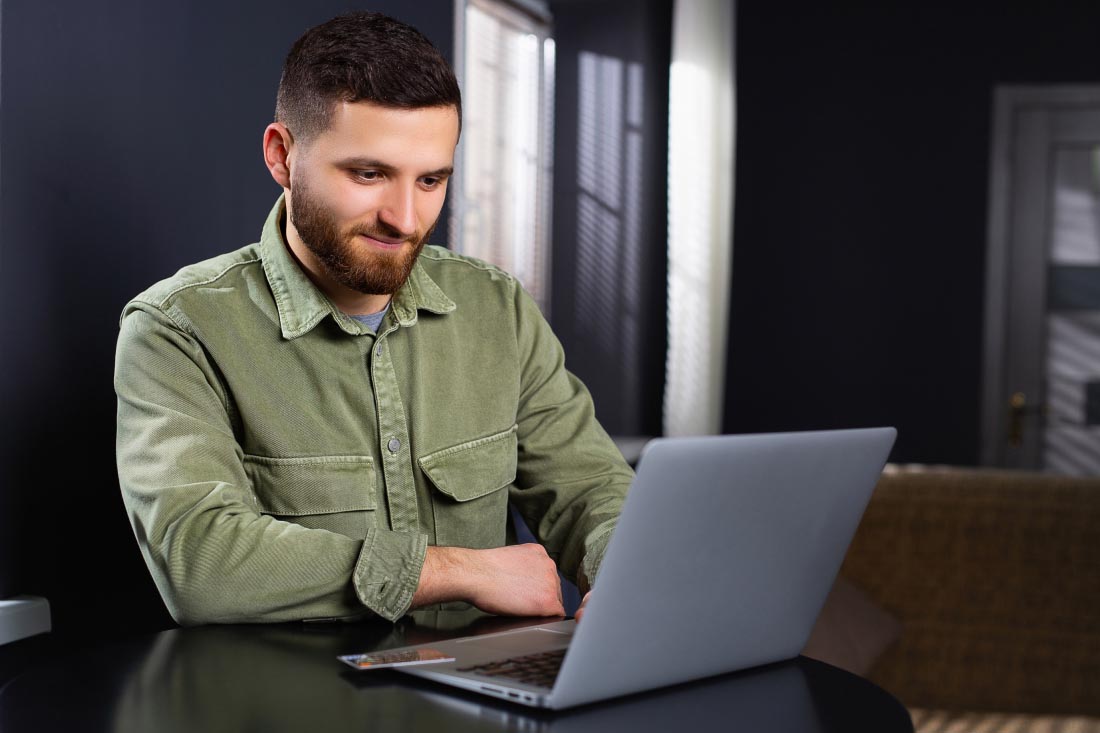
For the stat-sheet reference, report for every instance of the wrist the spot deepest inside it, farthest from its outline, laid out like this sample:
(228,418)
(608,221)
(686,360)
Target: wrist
(444,577)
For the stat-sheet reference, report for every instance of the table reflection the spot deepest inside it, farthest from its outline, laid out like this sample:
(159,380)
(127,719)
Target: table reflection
(287,677)
(284,677)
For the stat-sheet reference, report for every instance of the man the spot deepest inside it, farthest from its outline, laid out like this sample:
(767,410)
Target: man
(333,421)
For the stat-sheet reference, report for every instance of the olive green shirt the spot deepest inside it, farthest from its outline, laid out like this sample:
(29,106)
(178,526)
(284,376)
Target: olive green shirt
(280,461)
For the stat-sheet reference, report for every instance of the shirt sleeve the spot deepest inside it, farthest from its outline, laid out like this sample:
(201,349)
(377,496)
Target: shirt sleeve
(571,479)
(215,557)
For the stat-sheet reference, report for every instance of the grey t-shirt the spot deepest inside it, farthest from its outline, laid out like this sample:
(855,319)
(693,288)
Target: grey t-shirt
(373,320)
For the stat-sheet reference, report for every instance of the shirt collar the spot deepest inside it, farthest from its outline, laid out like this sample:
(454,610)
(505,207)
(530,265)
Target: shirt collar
(302,306)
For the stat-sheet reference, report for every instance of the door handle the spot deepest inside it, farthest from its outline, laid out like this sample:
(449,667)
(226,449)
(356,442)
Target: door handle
(1018,409)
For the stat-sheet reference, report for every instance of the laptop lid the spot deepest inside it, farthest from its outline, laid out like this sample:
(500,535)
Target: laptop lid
(724,553)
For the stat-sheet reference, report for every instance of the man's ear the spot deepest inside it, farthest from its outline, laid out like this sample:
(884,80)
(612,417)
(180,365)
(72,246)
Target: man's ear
(277,145)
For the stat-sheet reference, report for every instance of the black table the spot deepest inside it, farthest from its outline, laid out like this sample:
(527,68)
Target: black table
(287,678)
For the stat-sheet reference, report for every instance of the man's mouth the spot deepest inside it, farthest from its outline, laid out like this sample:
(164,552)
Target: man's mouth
(383,242)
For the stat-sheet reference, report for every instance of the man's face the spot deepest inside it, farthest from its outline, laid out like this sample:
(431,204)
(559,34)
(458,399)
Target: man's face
(365,194)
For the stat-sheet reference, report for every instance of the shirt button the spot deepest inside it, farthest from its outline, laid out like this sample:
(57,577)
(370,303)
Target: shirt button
(378,351)
(394,445)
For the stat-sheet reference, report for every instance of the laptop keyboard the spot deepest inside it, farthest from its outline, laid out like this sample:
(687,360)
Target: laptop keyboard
(531,669)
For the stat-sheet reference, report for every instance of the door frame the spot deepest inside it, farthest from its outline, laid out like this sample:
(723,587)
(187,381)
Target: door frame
(1008,103)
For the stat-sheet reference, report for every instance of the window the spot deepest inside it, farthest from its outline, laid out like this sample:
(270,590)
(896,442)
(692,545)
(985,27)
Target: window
(502,191)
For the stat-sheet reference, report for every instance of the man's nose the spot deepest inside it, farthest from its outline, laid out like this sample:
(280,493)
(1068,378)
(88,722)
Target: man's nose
(399,210)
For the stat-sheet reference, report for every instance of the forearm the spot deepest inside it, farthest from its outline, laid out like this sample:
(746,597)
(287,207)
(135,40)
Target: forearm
(572,480)
(221,565)
(519,580)
(217,559)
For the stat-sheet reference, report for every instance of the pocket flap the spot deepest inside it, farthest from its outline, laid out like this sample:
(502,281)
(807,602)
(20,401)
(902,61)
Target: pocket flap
(475,468)
(312,485)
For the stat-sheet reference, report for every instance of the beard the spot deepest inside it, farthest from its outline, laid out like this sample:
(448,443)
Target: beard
(346,261)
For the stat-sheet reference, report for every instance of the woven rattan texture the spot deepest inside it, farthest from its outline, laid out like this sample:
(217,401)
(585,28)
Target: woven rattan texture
(995,577)
(942,721)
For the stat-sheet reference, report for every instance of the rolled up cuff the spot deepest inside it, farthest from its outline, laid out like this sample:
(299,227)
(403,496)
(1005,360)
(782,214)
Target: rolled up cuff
(388,571)
(595,545)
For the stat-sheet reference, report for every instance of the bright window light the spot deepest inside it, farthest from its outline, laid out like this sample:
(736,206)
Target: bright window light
(502,192)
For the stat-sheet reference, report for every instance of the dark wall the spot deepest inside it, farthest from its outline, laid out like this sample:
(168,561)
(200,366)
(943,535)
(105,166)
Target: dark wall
(130,144)
(862,162)
(608,301)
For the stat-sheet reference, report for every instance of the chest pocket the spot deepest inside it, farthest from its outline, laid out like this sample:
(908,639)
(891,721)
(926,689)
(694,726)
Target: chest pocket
(471,481)
(320,492)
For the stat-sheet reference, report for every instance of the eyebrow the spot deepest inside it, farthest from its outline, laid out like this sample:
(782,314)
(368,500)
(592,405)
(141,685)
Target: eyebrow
(354,162)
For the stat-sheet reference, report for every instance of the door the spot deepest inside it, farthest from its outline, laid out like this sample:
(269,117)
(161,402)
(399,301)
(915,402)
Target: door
(1041,392)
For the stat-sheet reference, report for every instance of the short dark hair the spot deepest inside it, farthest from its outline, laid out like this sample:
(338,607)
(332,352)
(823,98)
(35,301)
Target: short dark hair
(361,57)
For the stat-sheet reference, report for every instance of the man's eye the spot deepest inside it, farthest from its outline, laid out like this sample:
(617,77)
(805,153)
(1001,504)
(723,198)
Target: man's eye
(368,175)
(430,182)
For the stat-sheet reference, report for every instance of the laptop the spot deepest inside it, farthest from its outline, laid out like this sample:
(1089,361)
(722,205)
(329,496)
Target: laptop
(721,560)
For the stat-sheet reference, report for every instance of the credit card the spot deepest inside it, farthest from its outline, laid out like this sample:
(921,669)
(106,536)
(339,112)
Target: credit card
(395,658)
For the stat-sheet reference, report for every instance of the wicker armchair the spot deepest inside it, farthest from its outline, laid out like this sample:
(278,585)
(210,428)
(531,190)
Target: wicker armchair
(994,577)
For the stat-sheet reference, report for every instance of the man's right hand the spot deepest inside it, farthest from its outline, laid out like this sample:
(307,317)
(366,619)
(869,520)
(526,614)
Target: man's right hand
(518,580)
